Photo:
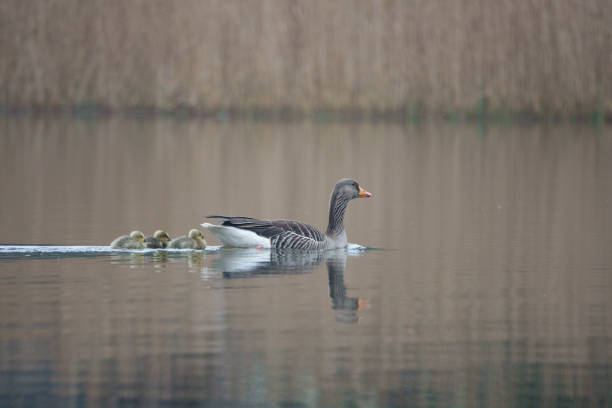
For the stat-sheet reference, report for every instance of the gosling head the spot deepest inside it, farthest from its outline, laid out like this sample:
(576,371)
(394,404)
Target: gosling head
(138,236)
(195,234)
(162,236)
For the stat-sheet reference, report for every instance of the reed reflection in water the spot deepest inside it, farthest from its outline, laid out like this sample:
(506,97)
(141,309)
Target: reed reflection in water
(493,287)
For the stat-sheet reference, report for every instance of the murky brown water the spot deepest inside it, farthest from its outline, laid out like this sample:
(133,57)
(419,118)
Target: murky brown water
(493,288)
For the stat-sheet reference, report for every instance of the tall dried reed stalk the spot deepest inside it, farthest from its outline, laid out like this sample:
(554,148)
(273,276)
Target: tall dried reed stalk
(535,56)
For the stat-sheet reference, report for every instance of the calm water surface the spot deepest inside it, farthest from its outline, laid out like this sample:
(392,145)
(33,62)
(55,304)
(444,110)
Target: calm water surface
(491,285)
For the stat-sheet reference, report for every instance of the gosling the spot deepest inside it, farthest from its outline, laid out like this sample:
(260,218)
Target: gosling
(158,240)
(133,241)
(195,240)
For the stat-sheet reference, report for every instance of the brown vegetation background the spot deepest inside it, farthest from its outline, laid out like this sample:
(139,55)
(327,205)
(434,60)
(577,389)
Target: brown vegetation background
(531,56)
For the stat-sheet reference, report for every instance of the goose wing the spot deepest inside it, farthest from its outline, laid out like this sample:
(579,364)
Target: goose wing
(283,234)
(292,240)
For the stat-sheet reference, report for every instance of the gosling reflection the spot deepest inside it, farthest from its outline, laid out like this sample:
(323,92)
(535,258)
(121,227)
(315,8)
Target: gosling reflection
(346,307)
(128,258)
(195,259)
(158,259)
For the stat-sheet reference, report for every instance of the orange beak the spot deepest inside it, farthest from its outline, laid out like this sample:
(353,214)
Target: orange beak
(363,193)
(362,303)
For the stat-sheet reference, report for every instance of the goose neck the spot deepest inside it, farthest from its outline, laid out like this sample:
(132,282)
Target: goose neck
(337,207)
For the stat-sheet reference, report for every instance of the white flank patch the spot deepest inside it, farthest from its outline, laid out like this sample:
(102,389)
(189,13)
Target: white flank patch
(236,237)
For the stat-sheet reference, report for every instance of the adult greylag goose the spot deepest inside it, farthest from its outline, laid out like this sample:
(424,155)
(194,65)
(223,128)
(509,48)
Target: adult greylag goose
(194,240)
(246,232)
(133,241)
(158,240)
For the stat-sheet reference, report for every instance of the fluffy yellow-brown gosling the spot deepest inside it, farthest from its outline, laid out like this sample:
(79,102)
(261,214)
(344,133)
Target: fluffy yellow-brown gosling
(158,240)
(133,241)
(195,240)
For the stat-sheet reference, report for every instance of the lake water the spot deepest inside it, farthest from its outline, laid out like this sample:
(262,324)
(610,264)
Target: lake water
(488,281)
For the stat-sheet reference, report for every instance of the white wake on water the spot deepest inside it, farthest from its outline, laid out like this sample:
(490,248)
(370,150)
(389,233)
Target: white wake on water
(25,249)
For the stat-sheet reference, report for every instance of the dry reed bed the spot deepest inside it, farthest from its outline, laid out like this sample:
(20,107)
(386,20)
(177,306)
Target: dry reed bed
(535,56)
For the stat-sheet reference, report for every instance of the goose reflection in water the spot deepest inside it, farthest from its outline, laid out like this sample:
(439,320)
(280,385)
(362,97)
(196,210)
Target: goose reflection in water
(345,307)
(247,263)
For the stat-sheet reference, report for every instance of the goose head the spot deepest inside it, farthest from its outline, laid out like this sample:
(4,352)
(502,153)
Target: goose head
(344,191)
(162,236)
(348,189)
(137,236)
